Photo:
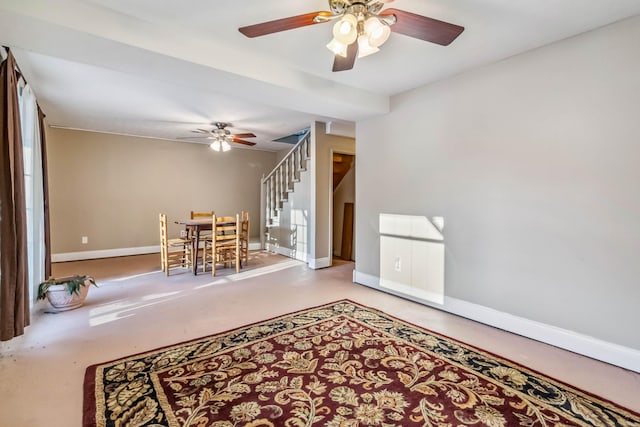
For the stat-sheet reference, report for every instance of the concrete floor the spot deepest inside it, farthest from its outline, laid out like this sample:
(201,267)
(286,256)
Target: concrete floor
(137,308)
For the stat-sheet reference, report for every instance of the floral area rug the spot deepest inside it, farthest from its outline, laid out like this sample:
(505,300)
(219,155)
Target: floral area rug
(340,364)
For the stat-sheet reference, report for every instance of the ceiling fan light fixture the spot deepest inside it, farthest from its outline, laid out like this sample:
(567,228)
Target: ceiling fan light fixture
(215,145)
(225,146)
(337,48)
(346,29)
(364,48)
(377,31)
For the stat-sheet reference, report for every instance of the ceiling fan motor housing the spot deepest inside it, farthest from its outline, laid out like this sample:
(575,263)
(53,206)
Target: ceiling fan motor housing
(338,7)
(221,129)
(359,9)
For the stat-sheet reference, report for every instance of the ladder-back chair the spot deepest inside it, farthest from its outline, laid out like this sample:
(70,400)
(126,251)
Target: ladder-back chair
(244,236)
(196,215)
(173,252)
(223,247)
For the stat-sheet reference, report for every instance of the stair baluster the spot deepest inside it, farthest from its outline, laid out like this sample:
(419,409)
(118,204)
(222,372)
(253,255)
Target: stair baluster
(290,174)
(283,184)
(296,166)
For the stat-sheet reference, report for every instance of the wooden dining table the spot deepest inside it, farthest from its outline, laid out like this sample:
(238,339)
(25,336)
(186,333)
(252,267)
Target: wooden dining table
(194,227)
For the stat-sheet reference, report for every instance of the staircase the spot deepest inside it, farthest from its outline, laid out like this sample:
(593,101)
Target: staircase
(280,182)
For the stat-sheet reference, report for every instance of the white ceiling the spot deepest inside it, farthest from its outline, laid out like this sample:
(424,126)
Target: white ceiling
(160,68)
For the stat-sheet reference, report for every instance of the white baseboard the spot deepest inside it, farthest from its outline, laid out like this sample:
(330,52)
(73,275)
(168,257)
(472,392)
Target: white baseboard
(605,351)
(421,294)
(320,263)
(110,253)
(279,250)
(290,253)
(104,253)
(313,263)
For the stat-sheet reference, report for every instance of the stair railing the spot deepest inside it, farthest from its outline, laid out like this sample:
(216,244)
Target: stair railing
(276,186)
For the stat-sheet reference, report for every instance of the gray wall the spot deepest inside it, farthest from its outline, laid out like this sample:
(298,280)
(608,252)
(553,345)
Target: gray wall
(534,162)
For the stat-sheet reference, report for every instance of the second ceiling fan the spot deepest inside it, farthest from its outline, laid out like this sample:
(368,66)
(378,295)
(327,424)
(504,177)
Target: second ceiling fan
(221,137)
(361,28)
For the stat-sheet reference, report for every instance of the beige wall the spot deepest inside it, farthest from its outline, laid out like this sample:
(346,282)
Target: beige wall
(111,188)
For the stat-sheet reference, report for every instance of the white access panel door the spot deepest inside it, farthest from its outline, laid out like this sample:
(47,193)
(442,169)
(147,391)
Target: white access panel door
(427,270)
(395,262)
(412,257)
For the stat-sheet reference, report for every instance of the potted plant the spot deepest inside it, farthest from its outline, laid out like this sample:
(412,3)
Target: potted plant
(66,293)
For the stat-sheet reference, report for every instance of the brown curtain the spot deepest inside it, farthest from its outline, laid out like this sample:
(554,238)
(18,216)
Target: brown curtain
(14,275)
(45,196)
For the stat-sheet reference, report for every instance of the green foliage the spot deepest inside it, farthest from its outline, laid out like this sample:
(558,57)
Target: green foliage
(73,284)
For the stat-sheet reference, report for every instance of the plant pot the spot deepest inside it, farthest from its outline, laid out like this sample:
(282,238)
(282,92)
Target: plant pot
(61,300)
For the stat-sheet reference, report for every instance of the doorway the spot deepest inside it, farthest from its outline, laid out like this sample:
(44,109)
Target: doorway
(343,208)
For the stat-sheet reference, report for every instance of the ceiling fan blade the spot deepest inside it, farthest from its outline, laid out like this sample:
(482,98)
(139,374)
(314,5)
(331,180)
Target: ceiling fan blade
(283,24)
(242,141)
(340,63)
(192,137)
(200,131)
(243,135)
(423,28)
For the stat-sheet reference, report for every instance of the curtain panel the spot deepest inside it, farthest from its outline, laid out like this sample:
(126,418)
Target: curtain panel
(33,185)
(14,276)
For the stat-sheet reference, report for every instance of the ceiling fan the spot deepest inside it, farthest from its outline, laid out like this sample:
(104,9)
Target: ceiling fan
(221,137)
(361,28)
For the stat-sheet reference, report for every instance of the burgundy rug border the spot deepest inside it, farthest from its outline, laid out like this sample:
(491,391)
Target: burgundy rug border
(88,397)
(89,408)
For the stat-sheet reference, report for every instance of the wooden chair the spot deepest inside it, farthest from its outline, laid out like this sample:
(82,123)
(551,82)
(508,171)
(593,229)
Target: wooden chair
(223,247)
(195,215)
(204,233)
(244,237)
(202,215)
(173,252)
